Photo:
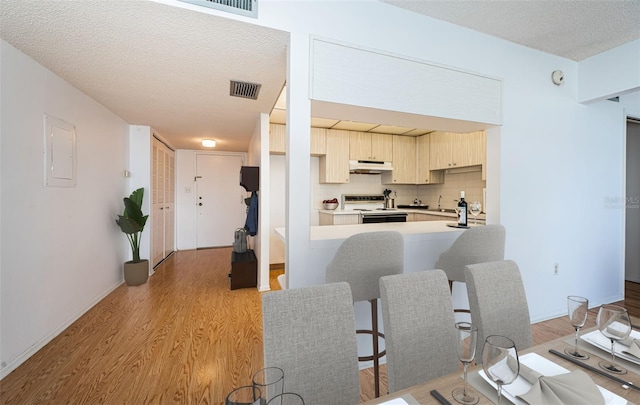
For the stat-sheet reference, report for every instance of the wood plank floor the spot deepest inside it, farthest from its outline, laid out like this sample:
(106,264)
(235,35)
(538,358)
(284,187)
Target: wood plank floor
(181,338)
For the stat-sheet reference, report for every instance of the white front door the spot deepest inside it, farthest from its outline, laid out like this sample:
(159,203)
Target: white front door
(220,206)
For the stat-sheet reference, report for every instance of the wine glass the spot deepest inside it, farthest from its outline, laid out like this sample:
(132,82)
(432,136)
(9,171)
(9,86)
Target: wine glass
(467,337)
(578,308)
(475,208)
(500,361)
(613,321)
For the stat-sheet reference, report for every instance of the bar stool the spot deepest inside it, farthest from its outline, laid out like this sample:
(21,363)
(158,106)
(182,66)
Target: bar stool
(360,261)
(478,244)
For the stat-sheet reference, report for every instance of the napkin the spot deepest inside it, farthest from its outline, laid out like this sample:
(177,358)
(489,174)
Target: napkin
(575,387)
(634,348)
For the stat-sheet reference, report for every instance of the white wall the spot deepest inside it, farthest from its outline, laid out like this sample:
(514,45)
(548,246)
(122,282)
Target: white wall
(558,159)
(61,249)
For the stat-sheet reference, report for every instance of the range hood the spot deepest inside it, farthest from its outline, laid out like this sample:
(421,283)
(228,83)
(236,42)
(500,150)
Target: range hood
(369,167)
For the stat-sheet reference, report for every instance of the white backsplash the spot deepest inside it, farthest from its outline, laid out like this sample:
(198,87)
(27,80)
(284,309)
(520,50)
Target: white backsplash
(471,183)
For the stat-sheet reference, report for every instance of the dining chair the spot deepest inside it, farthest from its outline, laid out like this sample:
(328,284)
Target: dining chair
(309,333)
(419,326)
(478,244)
(498,303)
(360,261)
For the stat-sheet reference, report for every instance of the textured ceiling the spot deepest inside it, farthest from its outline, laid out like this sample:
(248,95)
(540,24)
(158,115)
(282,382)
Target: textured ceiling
(154,64)
(167,67)
(574,29)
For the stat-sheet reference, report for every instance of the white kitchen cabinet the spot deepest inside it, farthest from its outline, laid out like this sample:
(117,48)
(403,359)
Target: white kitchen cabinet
(370,146)
(449,150)
(334,165)
(404,161)
(162,201)
(425,174)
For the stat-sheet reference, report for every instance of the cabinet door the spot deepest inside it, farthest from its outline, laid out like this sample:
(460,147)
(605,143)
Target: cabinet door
(277,138)
(381,147)
(469,149)
(440,150)
(425,174)
(359,145)
(334,166)
(404,161)
(318,144)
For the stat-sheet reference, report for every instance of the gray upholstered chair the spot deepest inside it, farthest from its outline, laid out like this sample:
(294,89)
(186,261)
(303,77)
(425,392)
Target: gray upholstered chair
(478,244)
(360,261)
(309,333)
(419,328)
(498,303)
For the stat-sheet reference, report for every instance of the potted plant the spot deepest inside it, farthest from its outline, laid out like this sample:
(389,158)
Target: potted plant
(132,223)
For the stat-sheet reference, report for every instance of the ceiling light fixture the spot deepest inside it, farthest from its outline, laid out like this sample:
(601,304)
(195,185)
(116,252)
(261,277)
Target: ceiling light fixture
(208,143)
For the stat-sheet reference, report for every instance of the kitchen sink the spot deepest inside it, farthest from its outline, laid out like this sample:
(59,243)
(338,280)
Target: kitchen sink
(449,210)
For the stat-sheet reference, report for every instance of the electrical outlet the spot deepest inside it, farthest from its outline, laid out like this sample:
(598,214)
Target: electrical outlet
(555,269)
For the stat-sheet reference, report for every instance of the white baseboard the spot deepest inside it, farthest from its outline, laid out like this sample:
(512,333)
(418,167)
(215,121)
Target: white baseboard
(5,369)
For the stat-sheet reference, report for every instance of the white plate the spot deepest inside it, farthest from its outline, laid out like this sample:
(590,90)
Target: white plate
(597,339)
(548,368)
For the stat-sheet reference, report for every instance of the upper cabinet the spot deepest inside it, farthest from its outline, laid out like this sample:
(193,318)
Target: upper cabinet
(449,150)
(278,137)
(425,174)
(334,165)
(318,141)
(404,161)
(370,146)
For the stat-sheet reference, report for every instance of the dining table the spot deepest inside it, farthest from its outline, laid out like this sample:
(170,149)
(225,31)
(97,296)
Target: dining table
(422,393)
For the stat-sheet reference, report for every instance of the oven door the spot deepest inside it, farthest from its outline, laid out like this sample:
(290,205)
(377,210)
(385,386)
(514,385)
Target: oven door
(378,218)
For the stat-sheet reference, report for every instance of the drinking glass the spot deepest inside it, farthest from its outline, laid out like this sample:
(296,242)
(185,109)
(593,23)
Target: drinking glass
(500,361)
(578,308)
(613,321)
(247,395)
(475,208)
(270,381)
(467,337)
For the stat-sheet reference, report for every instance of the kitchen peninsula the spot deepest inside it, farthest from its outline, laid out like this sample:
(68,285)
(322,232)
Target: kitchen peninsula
(423,243)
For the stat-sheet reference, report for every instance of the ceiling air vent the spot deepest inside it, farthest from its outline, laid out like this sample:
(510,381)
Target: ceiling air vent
(244,89)
(248,8)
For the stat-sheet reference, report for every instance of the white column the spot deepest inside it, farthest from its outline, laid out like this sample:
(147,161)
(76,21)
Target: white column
(298,159)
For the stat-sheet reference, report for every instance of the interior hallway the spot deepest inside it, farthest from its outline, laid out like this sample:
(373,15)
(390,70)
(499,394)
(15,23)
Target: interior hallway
(183,337)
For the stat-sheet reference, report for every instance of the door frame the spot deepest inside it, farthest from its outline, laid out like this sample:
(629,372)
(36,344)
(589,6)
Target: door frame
(186,213)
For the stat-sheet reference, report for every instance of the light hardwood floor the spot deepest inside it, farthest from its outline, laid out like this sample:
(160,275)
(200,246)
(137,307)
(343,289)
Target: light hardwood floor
(181,338)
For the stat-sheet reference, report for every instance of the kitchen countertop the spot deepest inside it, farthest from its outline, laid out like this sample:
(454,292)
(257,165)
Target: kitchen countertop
(339,232)
(407,210)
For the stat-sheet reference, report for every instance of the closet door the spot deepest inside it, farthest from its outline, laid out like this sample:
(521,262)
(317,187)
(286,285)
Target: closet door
(163,202)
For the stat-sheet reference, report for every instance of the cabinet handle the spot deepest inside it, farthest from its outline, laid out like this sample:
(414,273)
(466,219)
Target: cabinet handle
(449,164)
(161,208)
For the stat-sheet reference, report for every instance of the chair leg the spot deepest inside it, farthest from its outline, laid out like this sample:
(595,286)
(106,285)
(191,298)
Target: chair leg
(376,354)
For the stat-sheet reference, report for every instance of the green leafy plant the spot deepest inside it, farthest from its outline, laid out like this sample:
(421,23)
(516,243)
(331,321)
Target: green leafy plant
(132,221)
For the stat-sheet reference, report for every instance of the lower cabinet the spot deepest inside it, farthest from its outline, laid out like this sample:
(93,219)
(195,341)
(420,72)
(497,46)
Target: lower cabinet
(244,270)
(331,219)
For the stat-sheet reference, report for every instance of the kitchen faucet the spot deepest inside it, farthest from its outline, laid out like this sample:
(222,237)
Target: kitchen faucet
(439,198)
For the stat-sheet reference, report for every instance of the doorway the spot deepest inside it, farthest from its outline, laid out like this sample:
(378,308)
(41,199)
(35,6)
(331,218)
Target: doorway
(632,206)
(220,206)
